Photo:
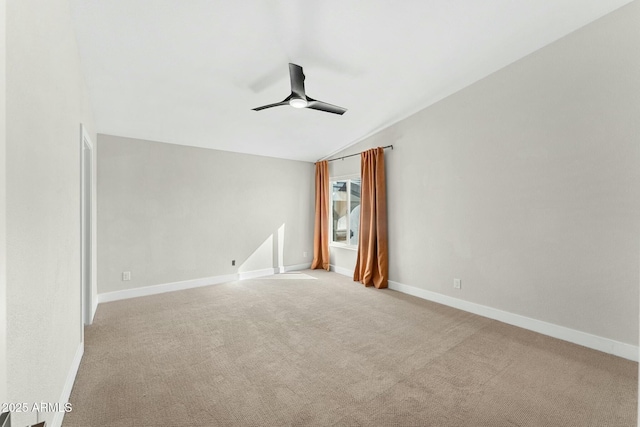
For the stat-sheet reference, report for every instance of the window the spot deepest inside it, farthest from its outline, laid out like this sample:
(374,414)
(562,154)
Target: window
(345,211)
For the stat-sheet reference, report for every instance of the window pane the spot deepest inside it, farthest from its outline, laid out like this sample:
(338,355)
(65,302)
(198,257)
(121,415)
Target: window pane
(339,201)
(354,217)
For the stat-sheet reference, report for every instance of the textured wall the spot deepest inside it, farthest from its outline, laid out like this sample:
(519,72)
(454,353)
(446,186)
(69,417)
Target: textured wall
(46,102)
(3,208)
(170,213)
(526,185)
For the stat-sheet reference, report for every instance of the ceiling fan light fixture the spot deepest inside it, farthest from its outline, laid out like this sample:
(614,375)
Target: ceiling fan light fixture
(298,102)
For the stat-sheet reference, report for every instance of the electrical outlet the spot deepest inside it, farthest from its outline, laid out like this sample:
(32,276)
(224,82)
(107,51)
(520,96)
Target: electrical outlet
(126,275)
(233,262)
(457,283)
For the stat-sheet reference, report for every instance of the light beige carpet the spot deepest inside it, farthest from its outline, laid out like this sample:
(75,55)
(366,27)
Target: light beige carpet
(330,352)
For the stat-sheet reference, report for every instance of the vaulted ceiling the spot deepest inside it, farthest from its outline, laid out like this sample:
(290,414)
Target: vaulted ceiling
(190,72)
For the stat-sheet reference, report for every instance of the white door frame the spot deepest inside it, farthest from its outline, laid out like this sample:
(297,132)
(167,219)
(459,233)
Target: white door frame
(86,226)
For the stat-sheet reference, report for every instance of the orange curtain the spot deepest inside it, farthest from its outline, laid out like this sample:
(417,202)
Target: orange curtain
(321,229)
(372,266)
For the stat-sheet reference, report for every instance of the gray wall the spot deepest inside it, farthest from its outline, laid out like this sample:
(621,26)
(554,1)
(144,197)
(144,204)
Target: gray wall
(46,102)
(526,185)
(171,213)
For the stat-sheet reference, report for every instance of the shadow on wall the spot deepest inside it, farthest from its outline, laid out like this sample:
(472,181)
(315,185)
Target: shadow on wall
(268,258)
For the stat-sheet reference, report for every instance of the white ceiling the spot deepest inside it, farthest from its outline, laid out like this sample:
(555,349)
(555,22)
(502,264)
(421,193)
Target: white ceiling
(189,72)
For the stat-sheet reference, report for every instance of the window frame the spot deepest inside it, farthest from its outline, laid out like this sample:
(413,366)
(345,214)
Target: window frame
(348,179)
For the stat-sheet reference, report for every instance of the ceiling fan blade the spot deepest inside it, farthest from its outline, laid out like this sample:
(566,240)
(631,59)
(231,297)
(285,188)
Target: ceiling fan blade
(277,104)
(297,80)
(323,106)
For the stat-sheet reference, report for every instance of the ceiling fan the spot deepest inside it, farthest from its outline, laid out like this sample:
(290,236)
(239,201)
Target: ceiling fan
(299,99)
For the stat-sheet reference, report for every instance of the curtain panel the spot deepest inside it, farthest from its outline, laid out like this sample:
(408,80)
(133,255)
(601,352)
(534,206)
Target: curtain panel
(321,228)
(372,266)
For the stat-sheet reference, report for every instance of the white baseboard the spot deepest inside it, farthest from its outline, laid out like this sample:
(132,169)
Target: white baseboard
(595,342)
(341,270)
(257,273)
(166,287)
(68,385)
(606,345)
(94,307)
(188,284)
(295,267)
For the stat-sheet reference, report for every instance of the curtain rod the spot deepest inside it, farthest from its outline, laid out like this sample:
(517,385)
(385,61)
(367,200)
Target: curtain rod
(356,154)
